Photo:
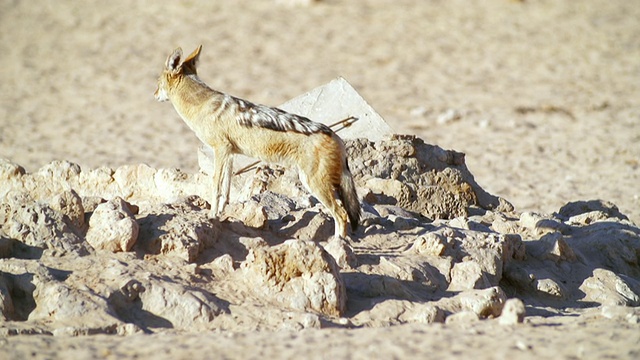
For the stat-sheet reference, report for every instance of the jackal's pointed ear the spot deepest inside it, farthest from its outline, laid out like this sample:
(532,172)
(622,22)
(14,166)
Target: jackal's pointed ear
(189,64)
(173,61)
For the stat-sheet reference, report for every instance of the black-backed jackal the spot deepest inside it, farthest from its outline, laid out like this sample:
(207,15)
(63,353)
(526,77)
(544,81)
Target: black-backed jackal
(235,126)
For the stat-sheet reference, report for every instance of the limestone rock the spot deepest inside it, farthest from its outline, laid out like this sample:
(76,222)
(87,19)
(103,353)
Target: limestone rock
(607,288)
(393,312)
(430,244)
(480,257)
(112,227)
(182,229)
(38,227)
(74,311)
(484,303)
(172,305)
(462,317)
(299,274)
(540,224)
(621,313)
(598,209)
(9,171)
(513,312)
(550,287)
(434,182)
(468,275)
(250,213)
(342,253)
(70,205)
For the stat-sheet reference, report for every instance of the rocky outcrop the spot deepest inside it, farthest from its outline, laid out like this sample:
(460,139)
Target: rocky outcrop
(419,177)
(112,227)
(133,250)
(297,274)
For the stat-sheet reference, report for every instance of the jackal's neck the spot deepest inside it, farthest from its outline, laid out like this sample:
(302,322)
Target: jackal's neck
(191,92)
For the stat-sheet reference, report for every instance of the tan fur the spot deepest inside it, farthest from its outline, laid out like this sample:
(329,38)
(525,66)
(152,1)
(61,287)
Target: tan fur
(214,116)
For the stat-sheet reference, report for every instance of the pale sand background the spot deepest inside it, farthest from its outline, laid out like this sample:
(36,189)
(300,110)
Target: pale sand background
(547,93)
(77,81)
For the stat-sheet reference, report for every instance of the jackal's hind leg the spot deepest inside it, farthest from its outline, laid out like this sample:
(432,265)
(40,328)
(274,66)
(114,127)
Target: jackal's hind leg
(326,194)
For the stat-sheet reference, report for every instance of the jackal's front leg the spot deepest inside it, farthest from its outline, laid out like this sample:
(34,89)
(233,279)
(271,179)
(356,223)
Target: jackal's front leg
(221,180)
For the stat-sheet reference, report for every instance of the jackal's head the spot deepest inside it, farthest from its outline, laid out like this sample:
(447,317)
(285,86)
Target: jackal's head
(175,69)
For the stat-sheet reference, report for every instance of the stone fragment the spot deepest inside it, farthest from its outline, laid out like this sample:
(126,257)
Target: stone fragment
(181,229)
(342,252)
(462,317)
(621,313)
(423,314)
(69,204)
(557,248)
(38,227)
(468,275)
(550,287)
(608,288)
(394,311)
(112,227)
(9,171)
(250,213)
(539,224)
(484,303)
(297,274)
(599,208)
(430,244)
(175,305)
(513,312)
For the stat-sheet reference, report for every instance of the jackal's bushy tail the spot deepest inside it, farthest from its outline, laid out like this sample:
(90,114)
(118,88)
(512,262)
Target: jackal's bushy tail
(349,197)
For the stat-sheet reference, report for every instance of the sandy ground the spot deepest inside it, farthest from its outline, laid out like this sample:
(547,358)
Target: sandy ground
(543,96)
(539,339)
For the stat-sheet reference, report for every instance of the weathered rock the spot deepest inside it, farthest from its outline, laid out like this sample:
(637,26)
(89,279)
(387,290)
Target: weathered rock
(74,311)
(598,209)
(607,288)
(621,313)
(112,227)
(9,171)
(135,183)
(557,248)
(69,204)
(513,312)
(182,229)
(393,312)
(484,303)
(468,275)
(154,302)
(298,274)
(539,224)
(38,227)
(462,317)
(341,252)
(432,181)
(430,244)
(406,265)
(550,287)
(479,257)
(250,213)
(430,273)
